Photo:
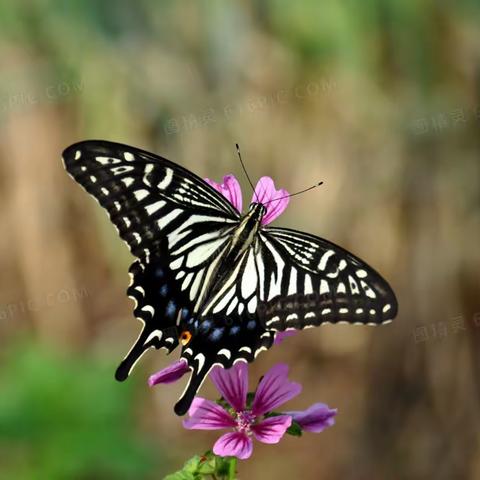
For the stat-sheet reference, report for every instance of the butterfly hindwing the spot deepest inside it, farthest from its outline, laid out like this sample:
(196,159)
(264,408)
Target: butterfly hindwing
(158,305)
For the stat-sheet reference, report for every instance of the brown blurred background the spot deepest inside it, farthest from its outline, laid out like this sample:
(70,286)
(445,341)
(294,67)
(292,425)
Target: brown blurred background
(379,99)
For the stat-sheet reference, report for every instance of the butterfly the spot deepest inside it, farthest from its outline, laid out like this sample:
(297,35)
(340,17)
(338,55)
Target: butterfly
(220,284)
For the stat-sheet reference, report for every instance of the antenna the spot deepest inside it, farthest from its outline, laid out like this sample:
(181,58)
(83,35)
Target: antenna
(244,169)
(297,193)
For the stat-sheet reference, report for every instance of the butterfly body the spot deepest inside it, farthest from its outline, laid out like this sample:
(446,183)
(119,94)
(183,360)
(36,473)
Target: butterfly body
(216,282)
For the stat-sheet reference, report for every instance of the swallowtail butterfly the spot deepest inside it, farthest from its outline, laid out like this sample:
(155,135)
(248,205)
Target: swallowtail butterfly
(217,282)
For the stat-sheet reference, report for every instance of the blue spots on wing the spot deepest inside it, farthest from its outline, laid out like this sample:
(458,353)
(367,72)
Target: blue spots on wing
(234,330)
(205,325)
(185,313)
(171,309)
(216,334)
(251,324)
(159,273)
(164,290)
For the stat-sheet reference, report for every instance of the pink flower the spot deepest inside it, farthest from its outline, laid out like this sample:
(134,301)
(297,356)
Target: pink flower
(275,201)
(169,374)
(316,418)
(250,420)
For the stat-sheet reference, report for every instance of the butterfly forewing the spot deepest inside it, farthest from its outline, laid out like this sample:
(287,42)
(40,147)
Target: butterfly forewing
(148,197)
(309,281)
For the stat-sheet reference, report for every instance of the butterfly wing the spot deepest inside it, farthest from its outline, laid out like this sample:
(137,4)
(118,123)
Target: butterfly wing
(308,281)
(173,221)
(284,280)
(147,197)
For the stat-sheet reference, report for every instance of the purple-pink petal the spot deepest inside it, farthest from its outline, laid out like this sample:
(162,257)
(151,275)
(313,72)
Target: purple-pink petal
(265,192)
(316,418)
(274,389)
(207,415)
(272,429)
(281,336)
(235,444)
(232,384)
(276,207)
(169,374)
(230,189)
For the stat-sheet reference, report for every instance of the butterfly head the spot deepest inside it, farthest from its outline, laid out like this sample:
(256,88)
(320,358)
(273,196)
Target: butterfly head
(256,211)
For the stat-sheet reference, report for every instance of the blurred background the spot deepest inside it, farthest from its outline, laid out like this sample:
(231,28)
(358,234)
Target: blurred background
(379,99)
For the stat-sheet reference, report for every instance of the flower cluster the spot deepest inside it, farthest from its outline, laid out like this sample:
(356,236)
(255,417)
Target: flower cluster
(256,418)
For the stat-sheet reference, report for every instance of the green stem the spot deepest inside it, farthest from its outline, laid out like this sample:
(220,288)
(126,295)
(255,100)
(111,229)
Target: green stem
(232,468)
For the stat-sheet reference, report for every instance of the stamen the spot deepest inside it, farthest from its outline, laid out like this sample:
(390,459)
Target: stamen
(244,421)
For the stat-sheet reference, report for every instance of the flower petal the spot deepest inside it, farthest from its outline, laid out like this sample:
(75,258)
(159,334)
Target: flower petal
(274,389)
(230,189)
(169,374)
(207,415)
(277,207)
(281,336)
(232,384)
(265,192)
(272,429)
(235,444)
(315,418)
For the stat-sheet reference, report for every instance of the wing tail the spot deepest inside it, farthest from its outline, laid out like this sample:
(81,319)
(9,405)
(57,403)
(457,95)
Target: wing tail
(199,372)
(148,338)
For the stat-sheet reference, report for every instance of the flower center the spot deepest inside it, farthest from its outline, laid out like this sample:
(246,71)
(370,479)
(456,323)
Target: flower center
(244,421)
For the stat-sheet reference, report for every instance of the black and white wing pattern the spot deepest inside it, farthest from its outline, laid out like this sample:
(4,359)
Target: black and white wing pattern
(306,281)
(284,280)
(229,329)
(148,198)
(173,221)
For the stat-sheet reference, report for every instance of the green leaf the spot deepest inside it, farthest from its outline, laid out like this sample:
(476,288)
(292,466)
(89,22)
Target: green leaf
(295,429)
(222,465)
(196,468)
(191,465)
(180,475)
(207,464)
(188,472)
